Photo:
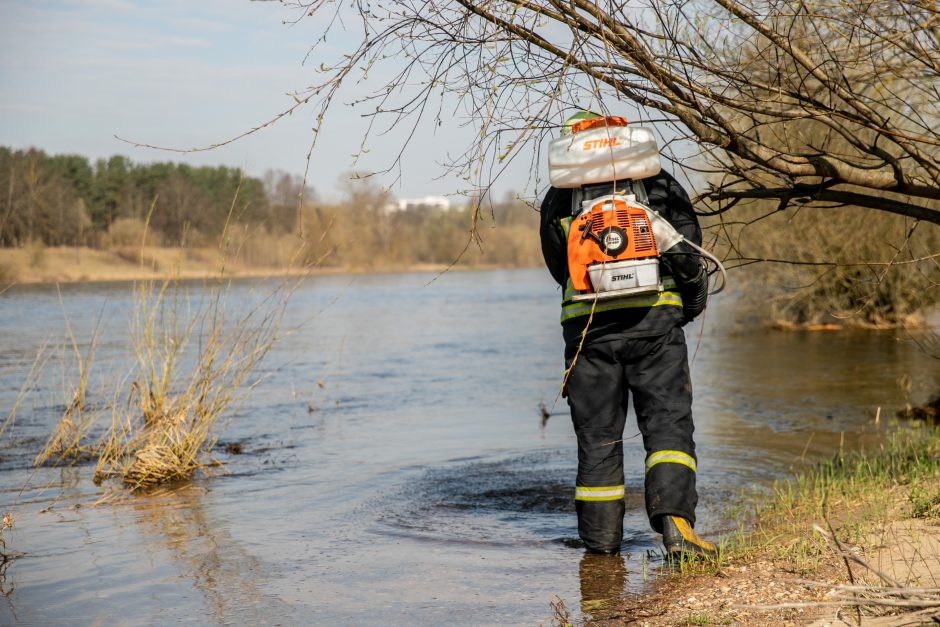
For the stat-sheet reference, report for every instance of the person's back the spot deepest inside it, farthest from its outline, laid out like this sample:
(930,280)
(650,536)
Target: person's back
(634,343)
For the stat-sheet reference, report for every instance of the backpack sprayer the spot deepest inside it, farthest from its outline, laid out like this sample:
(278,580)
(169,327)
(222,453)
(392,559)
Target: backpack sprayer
(615,240)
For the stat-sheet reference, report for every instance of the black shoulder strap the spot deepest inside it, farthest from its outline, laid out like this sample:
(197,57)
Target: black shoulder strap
(577,195)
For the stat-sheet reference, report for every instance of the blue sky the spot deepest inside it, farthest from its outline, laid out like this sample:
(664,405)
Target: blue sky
(184,73)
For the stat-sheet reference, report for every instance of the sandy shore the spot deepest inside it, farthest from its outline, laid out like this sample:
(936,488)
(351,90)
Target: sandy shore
(78,265)
(872,557)
(766,590)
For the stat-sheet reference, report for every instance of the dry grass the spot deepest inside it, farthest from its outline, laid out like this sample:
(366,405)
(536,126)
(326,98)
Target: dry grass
(6,523)
(9,273)
(66,265)
(852,267)
(194,359)
(36,254)
(68,438)
(192,363)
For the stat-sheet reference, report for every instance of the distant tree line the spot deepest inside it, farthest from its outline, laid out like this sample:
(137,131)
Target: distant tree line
(66,200)
(362,233)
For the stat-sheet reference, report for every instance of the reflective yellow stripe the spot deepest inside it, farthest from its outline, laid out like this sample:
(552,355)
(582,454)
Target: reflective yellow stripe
(671,457)
(583,308)
(603,493)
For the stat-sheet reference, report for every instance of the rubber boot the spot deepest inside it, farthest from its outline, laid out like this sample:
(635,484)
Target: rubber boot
(681,540)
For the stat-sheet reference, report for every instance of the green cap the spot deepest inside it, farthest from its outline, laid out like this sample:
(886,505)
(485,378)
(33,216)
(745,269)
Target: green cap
(577,117)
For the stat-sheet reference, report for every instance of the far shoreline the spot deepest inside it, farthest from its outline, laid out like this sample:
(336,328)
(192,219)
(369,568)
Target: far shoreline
(73,265)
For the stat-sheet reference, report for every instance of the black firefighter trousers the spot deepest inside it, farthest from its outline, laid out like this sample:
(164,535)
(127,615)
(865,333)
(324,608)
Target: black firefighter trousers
(656,371)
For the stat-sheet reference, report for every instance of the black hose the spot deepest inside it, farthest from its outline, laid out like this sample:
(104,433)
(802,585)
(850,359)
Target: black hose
(689,271)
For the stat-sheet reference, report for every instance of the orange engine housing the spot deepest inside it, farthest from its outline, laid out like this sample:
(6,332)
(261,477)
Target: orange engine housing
(612,230)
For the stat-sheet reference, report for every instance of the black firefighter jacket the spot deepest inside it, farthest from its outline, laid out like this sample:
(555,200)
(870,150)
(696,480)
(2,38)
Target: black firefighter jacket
(668,198)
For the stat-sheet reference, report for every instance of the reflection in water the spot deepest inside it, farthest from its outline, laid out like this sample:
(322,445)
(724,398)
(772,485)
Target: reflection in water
(205,552)
(603,579)
(6,589)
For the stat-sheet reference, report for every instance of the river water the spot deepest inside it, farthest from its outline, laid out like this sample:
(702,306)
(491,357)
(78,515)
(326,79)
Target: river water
(396,468)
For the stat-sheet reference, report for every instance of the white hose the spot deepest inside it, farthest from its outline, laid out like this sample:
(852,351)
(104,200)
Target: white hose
(667,236)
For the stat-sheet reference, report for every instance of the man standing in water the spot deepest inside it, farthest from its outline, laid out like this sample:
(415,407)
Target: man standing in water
(632,344)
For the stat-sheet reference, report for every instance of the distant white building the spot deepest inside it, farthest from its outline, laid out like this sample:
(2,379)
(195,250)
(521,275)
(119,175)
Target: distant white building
(440,203)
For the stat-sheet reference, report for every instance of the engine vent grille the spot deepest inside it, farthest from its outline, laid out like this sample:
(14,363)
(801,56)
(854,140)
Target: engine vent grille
(642,235)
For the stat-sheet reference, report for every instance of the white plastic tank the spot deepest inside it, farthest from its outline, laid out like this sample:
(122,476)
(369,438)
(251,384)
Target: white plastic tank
(599,155)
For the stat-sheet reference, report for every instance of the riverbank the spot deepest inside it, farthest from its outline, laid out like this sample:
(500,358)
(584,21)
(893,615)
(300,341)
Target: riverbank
(855,541)
(37,264)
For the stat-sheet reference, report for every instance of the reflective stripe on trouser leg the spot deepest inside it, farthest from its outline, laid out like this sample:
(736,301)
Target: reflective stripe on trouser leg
(595,396)
(670,490)
(670,457)
(603,493)
(658,377)
(670,477)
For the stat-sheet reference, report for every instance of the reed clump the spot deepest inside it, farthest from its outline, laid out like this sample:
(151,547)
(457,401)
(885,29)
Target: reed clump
(192,362)
(195,352)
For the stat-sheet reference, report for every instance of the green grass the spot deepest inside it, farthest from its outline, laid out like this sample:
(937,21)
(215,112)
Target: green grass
(851,493)
(698,564)
(925,500)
